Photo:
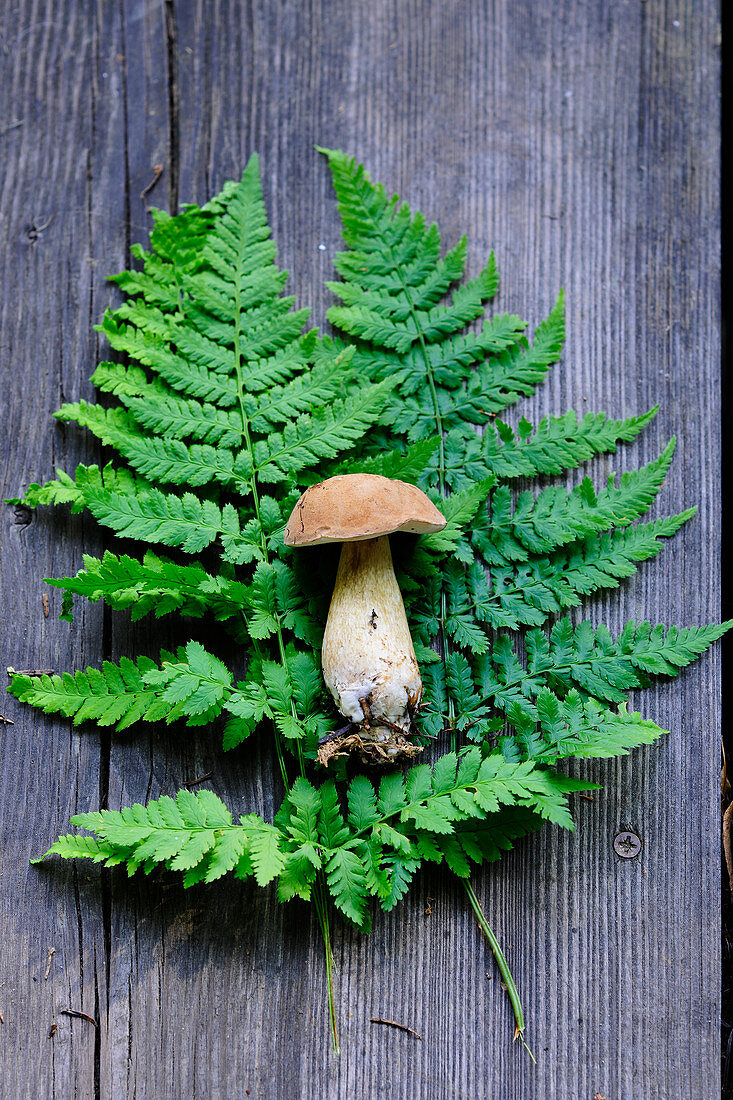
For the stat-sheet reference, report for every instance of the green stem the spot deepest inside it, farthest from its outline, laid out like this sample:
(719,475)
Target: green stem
(502,964)
(321,904)
(442,489)
(320,892)
(278,744)
(480,917)
(475,905)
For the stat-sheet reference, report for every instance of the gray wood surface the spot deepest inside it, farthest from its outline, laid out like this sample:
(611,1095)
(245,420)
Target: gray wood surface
(580,141)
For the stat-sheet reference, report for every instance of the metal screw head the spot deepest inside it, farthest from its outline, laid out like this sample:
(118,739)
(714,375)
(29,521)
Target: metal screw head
(627,845)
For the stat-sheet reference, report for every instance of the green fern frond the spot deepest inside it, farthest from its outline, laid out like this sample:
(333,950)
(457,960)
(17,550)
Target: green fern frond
(536,525)
(528,594)
(528,556)
(193,833)
(153,585)
(134,508)
(588,660)
(307,440)
(217,358)
(444,813)
(408,465)
(574,726)
(557,444)
(391,270)
(115,695)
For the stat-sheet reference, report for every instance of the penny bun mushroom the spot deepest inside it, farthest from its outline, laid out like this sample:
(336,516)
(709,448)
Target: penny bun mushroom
(368,658)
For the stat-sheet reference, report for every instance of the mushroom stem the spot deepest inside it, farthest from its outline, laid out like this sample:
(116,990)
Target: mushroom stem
(369,662)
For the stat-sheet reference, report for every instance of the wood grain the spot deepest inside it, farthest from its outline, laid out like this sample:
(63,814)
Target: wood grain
(580,142)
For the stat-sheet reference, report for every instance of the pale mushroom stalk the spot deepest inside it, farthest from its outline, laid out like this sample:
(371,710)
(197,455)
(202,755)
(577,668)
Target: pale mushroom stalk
(369,662)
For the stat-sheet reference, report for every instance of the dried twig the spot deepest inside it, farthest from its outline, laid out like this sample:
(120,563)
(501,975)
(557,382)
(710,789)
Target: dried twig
(199,779)
(51,953)
(30,671)
(727,846)
(157,173)
(7,721)
(393,1023)
(335,733)
(78,1015)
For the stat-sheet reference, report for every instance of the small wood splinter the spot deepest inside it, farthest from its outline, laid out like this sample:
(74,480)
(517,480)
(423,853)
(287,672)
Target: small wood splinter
(157,173)
(29,671)
(78,1015)
(393,1023)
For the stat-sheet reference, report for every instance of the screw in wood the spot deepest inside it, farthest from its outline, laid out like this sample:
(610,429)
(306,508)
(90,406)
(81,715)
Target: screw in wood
(627,845)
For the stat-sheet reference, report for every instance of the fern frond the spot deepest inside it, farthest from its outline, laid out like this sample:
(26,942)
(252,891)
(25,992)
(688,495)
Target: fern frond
(513,373)
(444,813)
(587,659)
(218,358)
(591,660)
(535,525)
(459,510)
(408,465)
(184,373)
(115,695)
(153,585)
(533,591)
(162,460)
(557,444)
(307,440)
(591,730)
(134,508)
(574,726)
(193,833)
(197,681)
(306,393)
(170,415)
(389,274)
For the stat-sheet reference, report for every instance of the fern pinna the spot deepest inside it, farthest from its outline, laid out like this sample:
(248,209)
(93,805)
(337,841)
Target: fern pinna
(222,410)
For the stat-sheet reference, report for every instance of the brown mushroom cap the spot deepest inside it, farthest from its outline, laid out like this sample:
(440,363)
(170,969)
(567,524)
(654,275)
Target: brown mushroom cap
(356,507)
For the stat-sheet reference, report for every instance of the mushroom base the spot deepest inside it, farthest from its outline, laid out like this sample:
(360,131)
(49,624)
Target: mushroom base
(376,745)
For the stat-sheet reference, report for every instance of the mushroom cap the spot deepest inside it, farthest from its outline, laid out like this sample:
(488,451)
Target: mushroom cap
(356,507)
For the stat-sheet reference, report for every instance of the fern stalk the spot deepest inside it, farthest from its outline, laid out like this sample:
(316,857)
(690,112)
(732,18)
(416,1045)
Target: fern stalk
(322,912)
(502,964)
(443,633)
(320,892)
(445,648)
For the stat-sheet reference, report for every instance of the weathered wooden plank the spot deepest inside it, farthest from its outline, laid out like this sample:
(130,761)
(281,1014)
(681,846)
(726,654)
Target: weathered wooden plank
(580,142)
(146,141)
(63,219)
